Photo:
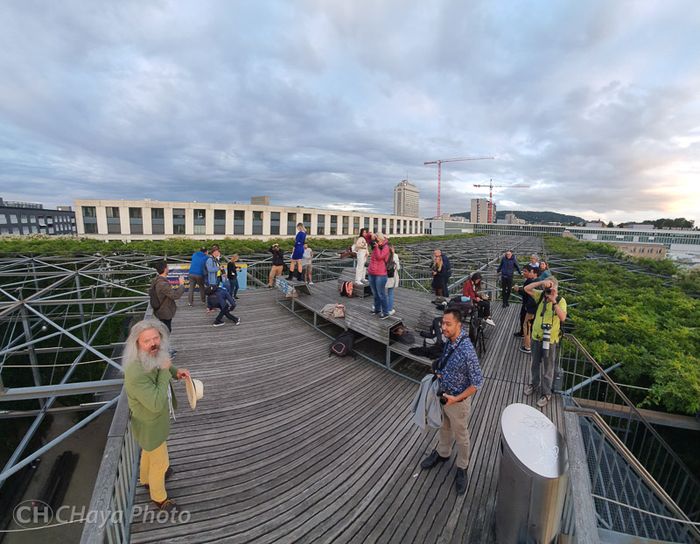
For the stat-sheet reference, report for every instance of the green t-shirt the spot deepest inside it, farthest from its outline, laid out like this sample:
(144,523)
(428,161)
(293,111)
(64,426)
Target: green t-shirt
(550,317)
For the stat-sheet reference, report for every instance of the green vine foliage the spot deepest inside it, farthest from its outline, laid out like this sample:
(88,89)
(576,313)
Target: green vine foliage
(648,323)
(55,245)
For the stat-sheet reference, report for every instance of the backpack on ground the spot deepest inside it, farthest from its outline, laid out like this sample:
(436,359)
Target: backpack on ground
(153,296)
(346,289)
(343,344)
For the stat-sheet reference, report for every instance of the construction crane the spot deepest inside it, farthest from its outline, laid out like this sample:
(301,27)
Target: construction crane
(491,186)
(439,165)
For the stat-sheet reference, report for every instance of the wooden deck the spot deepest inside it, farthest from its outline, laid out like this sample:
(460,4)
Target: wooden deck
(290,445)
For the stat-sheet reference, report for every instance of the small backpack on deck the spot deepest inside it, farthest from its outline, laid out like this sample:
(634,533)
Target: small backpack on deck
(346,289)
(342,345)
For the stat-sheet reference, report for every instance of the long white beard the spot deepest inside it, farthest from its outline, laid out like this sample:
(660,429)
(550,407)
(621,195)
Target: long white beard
(149,362)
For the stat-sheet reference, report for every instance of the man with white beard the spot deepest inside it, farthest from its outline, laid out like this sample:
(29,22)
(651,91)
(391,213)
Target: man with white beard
(147,373)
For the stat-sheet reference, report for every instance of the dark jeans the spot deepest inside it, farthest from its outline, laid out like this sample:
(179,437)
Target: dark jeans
(484,308)
(196,279)
(234,286)
(523,311)
(167,322)
(506,287)
(225,312)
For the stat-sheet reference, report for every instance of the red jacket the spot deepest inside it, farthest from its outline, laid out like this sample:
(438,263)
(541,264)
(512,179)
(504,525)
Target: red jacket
(378,260)
(468,290)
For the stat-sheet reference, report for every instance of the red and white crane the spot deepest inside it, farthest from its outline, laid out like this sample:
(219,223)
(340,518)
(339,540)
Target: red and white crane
(439,165)
(491,186)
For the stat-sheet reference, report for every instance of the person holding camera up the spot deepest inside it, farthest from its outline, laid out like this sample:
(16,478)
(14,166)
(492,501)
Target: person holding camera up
(550,313)
(460,377)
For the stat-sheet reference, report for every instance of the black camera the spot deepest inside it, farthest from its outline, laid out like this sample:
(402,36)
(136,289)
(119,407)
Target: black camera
(547,291)
(440,394)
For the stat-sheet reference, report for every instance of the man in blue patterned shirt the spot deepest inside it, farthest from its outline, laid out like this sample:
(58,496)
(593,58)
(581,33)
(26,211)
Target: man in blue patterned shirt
(460,376)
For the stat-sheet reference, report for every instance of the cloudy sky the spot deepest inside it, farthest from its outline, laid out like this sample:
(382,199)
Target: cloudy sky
(594,105)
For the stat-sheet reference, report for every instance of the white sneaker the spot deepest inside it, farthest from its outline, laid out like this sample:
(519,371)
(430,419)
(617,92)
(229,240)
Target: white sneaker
(489,321)
(392,312)
(311,283)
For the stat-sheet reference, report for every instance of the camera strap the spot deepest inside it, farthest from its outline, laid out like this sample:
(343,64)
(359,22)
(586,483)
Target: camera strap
(442,362)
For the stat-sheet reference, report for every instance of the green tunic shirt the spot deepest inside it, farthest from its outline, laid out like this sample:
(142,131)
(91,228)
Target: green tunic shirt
(147,393)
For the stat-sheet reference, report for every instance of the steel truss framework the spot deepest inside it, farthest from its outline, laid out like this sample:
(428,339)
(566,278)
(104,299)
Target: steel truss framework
(53,313)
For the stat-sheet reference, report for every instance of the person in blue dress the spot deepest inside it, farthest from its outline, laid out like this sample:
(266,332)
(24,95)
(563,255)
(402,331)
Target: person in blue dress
(297,254)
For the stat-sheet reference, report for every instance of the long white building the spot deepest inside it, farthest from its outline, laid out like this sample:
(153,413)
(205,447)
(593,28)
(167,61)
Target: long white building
(157,220)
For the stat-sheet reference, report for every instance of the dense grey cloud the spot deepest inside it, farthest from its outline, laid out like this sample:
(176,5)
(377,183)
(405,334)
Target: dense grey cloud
(593,105)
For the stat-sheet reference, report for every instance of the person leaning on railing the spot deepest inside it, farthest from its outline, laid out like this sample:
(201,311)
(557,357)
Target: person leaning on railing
(550,313)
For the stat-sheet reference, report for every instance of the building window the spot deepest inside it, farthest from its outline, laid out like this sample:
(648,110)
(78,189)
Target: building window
(178,220)
(3,219)
(274,223)
(136,220)
(375,225)
(257,222)
(356,225)
(238,221)
(24,218)
(200,221)
(321,225)
(384,226)
(391,226)
(90,228)
(334,225)
(307,220)
(219,221)
(157,221)
(113,222)
(366,223)
(346,225)
(291,224)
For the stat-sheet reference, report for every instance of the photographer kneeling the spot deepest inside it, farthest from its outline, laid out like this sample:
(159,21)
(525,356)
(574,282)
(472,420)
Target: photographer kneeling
(550,313)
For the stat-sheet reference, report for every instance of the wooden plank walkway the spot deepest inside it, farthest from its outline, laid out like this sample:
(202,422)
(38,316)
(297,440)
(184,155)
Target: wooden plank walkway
(290,445)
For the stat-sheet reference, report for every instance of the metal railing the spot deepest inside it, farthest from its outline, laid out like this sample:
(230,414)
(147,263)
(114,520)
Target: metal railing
(627,498)
(111,506)
(586,385)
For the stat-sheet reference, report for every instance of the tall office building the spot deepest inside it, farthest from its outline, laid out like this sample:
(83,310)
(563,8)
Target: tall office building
(480,211)
(406,199)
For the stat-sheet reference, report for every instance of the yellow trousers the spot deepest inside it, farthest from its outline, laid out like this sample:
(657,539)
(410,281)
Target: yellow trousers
(154,463)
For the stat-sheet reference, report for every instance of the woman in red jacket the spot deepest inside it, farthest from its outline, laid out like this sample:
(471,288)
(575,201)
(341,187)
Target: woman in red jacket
(377,274)
(471,289)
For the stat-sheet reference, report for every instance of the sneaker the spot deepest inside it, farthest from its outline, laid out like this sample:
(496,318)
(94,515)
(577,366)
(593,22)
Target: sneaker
(529,389)
(518,334)
(384,316)
(373,311)
(525,350)
(392,312)
(489,321)
(433,459)
(238,321)
(311,283)
(461,481)
(359,283)
(218,324)
(543,400)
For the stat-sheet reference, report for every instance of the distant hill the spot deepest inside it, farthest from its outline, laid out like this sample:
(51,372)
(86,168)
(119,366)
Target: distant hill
(534,217)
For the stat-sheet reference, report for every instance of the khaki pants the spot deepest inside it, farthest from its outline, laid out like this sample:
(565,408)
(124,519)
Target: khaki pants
(527,330)
(455,419)
(154,464)
(275,270)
